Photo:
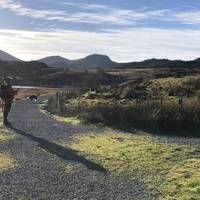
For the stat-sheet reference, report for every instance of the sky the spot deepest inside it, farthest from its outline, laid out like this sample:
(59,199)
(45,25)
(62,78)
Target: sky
(125,30)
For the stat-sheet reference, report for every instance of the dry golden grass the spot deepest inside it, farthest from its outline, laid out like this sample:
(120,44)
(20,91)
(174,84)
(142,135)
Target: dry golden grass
(5,135)
(132,73)
(6,162)
(173,83)
(69,169)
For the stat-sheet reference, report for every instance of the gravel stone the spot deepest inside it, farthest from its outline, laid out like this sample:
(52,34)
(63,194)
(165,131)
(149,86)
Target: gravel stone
(40,173)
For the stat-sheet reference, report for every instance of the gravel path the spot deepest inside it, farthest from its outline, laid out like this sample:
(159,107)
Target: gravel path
(40,173)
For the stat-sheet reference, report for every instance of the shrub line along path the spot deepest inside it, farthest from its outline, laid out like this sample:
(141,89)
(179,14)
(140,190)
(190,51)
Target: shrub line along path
(41,171)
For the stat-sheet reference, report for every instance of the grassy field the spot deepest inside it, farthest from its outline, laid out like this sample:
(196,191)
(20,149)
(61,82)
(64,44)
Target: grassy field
(170,171)
(148,101)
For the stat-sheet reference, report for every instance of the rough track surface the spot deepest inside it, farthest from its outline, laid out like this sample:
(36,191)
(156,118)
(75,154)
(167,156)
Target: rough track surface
(40,173)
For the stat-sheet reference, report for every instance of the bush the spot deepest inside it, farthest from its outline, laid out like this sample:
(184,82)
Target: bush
(152,115)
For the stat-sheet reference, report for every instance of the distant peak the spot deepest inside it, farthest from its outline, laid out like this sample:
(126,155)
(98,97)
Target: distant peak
(7,57)
(198,59)
(98,55)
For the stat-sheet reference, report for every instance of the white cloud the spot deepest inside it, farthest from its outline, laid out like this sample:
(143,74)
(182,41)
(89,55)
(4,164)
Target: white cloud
(89,6)
(191,17)
(105,14)
(19,9)
(120,45)
(101,14)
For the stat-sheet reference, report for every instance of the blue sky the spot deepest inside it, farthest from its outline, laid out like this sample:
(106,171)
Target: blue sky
(128,30)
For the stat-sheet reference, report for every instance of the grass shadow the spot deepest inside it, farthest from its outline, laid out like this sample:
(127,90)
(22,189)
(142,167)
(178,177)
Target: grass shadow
(193,132)
(63,153)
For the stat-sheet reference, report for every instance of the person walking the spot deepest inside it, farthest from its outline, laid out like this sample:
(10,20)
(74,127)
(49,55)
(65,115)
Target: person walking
(7,95)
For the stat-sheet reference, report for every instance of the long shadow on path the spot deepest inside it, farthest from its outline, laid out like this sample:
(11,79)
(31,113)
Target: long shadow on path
(64,153)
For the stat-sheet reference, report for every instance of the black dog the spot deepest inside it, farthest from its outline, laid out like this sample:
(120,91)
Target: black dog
(33,98)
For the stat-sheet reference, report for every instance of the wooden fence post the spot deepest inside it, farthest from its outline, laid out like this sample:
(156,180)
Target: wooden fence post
(180,102)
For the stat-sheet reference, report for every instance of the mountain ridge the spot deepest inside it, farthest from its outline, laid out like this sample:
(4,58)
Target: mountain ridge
(102,61)
(4,56)
(90,61)
(95,61)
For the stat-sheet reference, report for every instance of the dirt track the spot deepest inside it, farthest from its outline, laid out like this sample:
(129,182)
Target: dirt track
(41,174)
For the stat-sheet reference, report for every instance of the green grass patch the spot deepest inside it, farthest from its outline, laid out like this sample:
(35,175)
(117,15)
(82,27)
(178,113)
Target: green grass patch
(6,162)
(6,137)
(73,168)
(69,120)
(69,169)
(183,181)
(4,133)
(150,159)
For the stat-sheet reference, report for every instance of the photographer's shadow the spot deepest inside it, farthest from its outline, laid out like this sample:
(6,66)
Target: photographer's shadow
(60,151)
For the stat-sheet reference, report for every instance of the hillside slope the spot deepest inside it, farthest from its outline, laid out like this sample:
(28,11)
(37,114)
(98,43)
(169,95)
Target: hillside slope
(162,63)
(104,62)
(7,57)
(55,61)
(37,73)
